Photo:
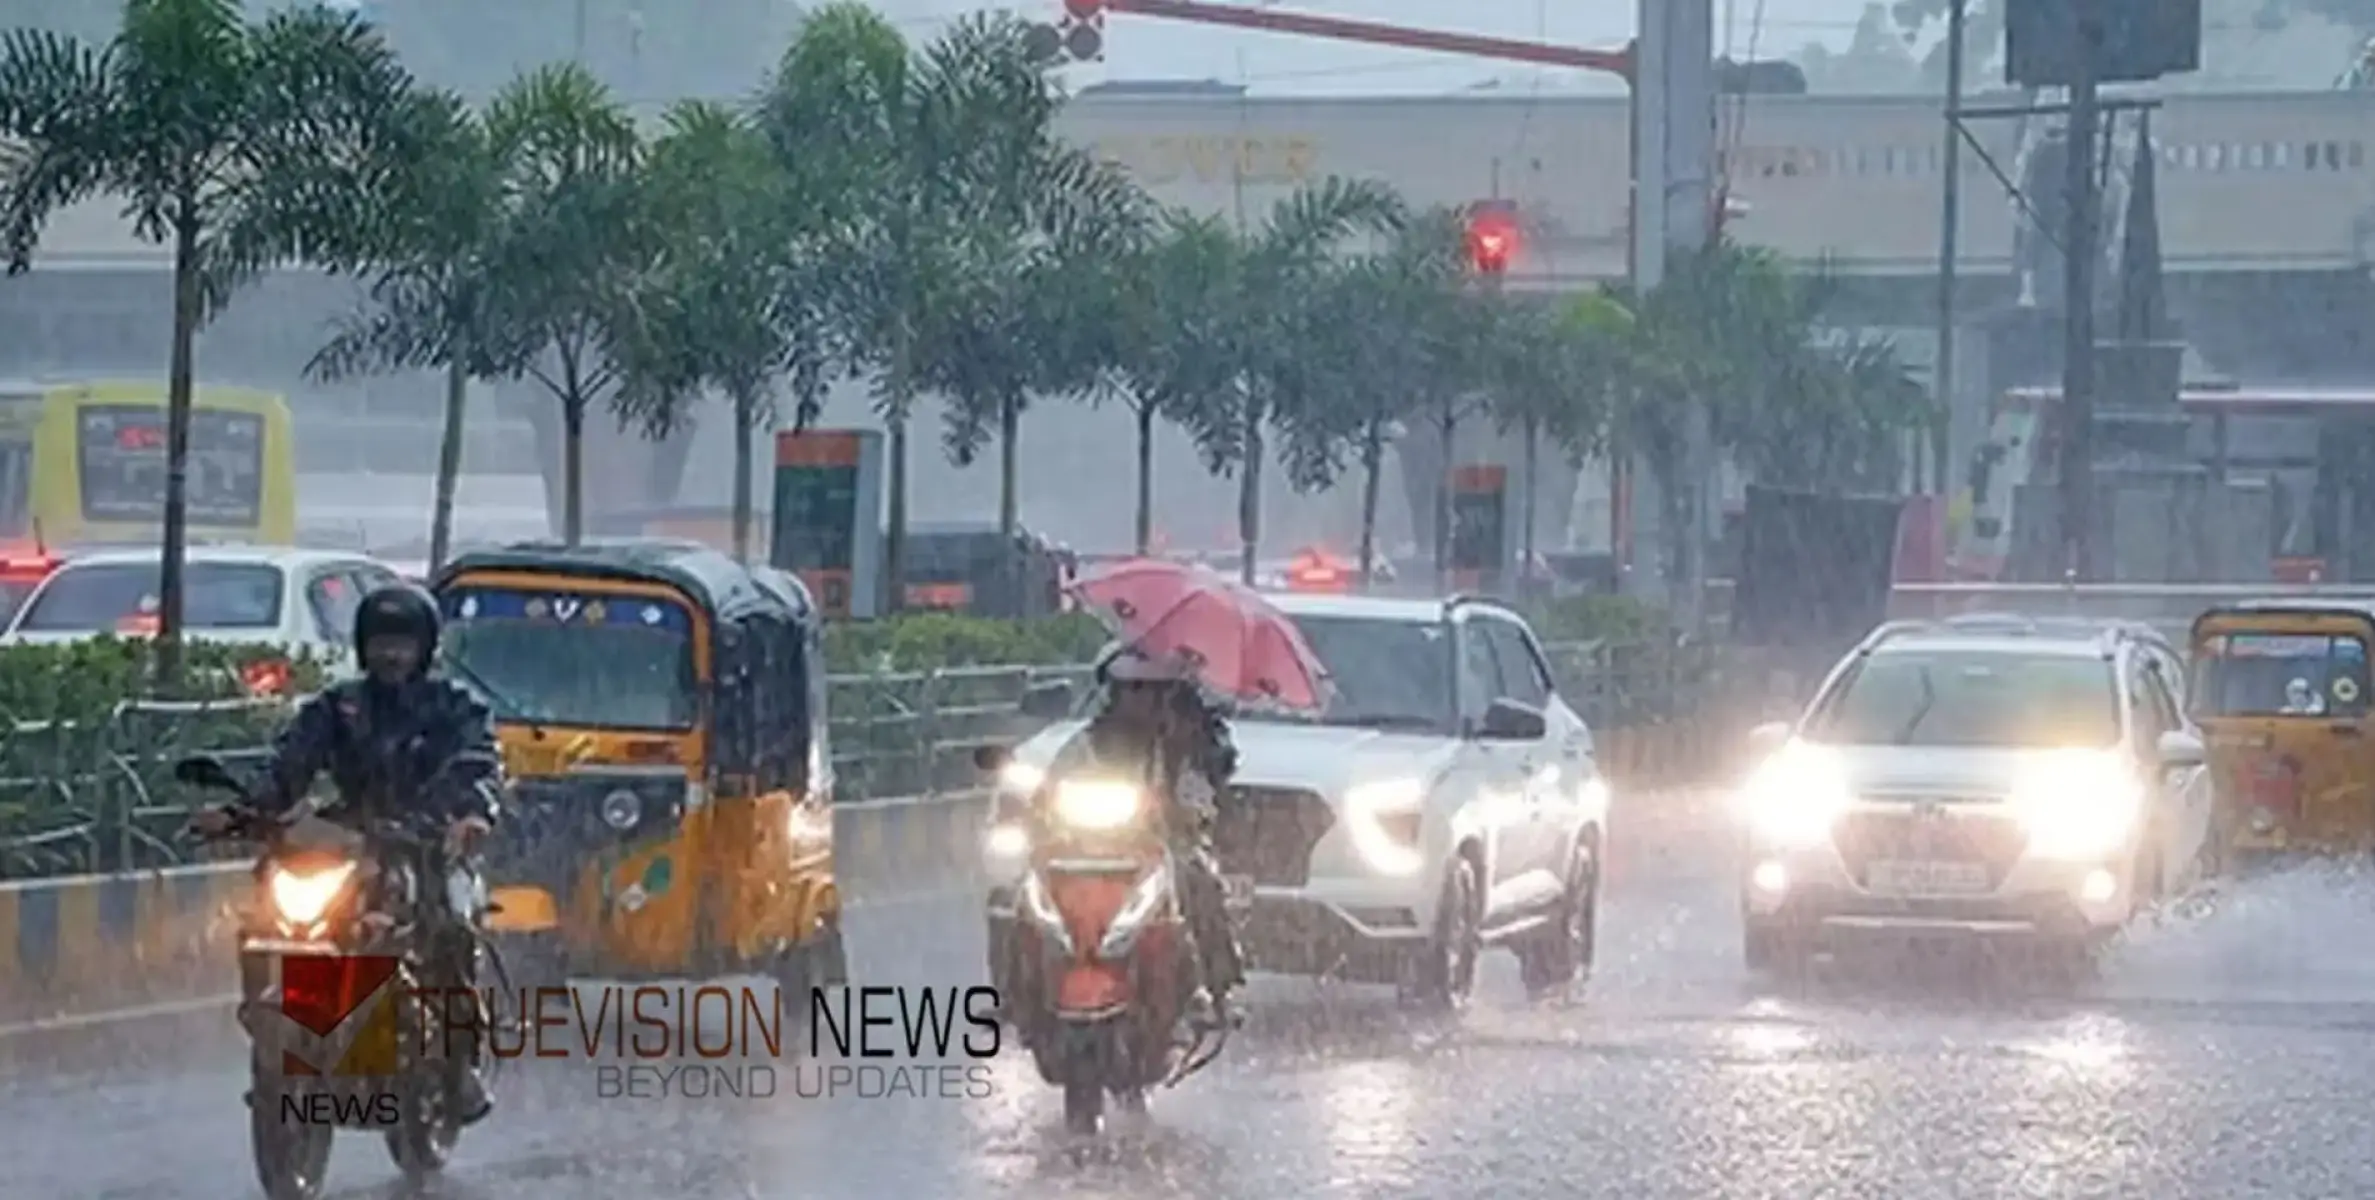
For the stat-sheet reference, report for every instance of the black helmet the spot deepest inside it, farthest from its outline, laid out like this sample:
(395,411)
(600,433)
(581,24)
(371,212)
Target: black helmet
(398,608)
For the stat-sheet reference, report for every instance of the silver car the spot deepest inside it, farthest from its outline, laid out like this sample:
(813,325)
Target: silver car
(1984,778)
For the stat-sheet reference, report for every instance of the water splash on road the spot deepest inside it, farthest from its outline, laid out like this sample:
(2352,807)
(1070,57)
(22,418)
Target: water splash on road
(2298,936)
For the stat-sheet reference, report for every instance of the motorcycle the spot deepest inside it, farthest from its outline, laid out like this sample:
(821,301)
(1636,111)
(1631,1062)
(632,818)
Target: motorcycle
(351,901)
(1097,919)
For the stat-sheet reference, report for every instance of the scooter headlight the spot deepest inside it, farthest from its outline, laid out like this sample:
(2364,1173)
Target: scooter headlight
(301,897)
(1097,804)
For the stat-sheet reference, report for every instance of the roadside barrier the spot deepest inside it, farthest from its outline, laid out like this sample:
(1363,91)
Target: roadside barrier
(109,938)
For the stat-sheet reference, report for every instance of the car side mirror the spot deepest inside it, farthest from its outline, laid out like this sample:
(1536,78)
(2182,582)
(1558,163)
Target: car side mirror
(992,758)
(1768,737)
(1510,721)
(2181,748)
(1046,701)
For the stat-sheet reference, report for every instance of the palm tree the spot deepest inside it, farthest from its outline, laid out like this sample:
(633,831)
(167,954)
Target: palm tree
(733,303)
(1175,353)
(1304,232)
(923,149)
(1030,314)
(574,253)
(427,297)
(1383,336)
(239,146)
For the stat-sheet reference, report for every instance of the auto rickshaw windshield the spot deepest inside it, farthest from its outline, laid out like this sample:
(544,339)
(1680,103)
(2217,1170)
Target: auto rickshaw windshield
(2280,674)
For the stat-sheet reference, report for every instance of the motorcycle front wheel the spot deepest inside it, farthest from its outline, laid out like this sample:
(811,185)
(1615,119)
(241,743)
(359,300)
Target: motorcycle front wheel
(424,1136)
(292,1159)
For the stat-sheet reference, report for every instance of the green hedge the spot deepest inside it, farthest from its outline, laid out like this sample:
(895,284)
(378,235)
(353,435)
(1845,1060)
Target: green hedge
(85,782)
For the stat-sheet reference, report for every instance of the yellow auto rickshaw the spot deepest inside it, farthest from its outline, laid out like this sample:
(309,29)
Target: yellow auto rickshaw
(661,709)
(2281,689)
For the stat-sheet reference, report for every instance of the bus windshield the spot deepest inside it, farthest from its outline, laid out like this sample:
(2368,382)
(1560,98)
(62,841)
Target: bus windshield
(608,662)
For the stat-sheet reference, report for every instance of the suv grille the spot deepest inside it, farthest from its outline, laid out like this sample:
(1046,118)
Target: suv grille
(1989,838)
(1269,833)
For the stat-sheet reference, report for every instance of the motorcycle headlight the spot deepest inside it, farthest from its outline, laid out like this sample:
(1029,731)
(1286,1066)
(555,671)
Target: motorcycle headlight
(1020,778)
(1383,818)
(1795,797)
(1098,804)
(2078,804)
(302,897)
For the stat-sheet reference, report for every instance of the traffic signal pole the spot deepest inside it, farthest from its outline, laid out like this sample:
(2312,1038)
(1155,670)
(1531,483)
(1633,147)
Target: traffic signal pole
(1673,212)
(2078,264)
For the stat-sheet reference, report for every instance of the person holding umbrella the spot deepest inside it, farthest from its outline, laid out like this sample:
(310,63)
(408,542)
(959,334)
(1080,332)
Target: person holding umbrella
(1157,723)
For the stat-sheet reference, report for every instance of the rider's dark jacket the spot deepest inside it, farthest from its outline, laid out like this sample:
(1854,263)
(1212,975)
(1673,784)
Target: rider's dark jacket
(1199,745)
(383,745)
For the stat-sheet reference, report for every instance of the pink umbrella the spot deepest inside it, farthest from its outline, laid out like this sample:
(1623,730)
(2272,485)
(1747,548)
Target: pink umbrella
(1239,643)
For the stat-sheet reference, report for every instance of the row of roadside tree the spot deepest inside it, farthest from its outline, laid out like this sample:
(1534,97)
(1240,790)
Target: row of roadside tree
(906,215)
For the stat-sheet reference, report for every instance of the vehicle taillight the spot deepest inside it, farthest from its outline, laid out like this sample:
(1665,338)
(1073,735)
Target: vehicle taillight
(139,625)
(2273,786)
(265,677)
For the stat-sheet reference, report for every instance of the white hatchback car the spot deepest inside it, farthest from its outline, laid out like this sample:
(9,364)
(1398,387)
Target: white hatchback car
(1447,801)
(302,600)
(1985,778)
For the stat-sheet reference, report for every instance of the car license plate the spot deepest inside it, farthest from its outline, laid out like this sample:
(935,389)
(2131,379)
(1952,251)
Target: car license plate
(1927,878)
(1239,888)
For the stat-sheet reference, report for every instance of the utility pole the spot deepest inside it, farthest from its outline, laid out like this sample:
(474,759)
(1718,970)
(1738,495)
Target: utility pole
(1673,197)
(1950,219)
(2078,263)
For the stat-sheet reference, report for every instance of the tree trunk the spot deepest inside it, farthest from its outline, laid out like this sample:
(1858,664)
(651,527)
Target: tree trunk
(1146,478)
(1372,466)
(894,540)
(744,416)
(573,451)
(1448,423)
(1525,530)
(449,464)
(179,381)
(1249,492)
(1010,428)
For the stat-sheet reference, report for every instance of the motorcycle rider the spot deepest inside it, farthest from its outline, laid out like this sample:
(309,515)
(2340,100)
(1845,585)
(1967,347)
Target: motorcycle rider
(1156,720)
(382,739)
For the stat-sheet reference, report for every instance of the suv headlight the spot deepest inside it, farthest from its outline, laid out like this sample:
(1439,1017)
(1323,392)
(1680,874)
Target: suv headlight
(1795,797)
(1383,818)
(2078,805)
(1096,804)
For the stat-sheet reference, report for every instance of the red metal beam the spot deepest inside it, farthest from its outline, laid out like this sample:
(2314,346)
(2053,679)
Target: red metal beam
(1202,12)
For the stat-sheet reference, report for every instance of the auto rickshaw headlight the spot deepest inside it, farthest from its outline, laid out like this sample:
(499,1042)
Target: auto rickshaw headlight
(622,809)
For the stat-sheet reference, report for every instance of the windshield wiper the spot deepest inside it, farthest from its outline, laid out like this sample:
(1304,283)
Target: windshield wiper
(503,705)
(1921,711)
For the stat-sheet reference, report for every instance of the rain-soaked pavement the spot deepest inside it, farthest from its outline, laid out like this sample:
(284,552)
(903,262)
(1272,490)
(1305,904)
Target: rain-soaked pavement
(2226,1054)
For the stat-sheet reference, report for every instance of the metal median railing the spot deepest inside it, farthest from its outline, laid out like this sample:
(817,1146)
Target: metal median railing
(97,797)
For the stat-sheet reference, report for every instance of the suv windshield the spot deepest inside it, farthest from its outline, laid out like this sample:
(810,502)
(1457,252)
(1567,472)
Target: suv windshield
(1388,674)
(1972,698)
(122,598)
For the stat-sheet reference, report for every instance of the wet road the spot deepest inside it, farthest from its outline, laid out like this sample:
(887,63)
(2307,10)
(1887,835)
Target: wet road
(2225,1055)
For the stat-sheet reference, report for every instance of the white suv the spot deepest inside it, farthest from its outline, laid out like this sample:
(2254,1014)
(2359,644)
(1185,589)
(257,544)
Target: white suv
(1447,801)
(1985,777)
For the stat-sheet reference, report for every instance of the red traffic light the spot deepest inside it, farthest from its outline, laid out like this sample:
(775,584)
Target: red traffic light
(1084,10)
(1492,241)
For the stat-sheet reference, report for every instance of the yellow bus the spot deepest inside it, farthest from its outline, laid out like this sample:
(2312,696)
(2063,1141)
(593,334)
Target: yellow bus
(82,463)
